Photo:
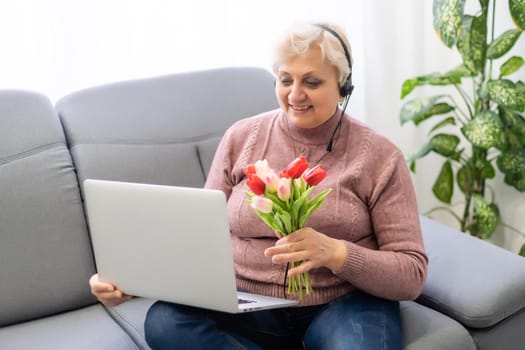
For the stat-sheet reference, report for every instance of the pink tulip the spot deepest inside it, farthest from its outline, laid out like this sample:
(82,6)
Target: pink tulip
(262,204)
(284,188)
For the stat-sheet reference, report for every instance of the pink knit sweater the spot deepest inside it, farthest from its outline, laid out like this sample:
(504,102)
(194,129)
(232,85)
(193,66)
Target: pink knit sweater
(372,207)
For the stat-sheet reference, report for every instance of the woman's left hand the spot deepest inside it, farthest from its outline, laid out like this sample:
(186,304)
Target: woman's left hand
(313,248)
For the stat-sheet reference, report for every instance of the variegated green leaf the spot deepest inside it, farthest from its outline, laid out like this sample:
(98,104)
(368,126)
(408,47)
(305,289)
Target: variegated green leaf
(430,79)
(484,4)
(511,65)
(447,19)
(416,108)
(460,72)
(512,162)
(464,178)
(444,144)
(502,44)
(437,109)
(443,123)
(472,41)
(486,216)
(505,92)
(423,151)
(485,130)
(444,186)
(517,11)
(522,250)
(515,123)
(485,168)
(412,166)
(408,86)
(518,182)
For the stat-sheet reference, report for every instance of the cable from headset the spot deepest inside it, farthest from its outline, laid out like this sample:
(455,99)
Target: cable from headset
(330,144)
(285,277)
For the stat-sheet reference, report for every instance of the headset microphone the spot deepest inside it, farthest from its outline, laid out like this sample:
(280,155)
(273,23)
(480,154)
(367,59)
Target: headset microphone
(345,90)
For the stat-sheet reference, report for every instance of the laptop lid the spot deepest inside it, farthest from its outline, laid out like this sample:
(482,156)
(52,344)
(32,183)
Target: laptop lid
(163,242)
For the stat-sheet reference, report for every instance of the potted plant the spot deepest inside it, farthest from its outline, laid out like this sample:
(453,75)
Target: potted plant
(485,112)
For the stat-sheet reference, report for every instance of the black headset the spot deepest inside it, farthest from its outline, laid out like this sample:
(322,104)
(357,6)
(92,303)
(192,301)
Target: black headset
(346,89)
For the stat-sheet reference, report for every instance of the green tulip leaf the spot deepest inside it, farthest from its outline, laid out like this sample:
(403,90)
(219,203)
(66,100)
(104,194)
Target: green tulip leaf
(485,130)
(447,19)
(444,186)
(517,11)
(511,65)
(486,216)
(415,109)
(505,92)
(443,123)
(472,41)
(503,43)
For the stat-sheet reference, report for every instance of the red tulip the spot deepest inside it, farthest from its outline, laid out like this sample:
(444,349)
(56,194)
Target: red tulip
(315,175)
(255,184)
(295,169)
(250,169)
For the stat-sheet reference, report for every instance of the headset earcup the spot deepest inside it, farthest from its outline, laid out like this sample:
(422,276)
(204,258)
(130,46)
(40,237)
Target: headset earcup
(347,88)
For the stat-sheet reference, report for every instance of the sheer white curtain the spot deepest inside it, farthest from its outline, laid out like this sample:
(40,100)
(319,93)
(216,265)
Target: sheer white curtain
(59,46)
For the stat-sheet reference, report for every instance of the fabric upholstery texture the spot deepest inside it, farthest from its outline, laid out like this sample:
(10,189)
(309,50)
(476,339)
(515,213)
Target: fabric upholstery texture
(480,293)
(45,253)
(165,130)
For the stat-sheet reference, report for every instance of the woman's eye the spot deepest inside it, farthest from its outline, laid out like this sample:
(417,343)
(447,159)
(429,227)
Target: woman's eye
(286,81)
(312,83)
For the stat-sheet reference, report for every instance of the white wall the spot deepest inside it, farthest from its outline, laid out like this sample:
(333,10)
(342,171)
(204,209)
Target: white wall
(59,46)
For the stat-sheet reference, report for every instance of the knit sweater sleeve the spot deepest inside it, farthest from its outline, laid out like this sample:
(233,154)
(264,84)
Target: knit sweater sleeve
(397,268)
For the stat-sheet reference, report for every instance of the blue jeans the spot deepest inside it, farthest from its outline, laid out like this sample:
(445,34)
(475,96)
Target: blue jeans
(354,321)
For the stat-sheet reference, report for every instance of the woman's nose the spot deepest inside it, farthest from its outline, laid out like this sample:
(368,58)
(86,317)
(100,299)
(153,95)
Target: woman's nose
(296,93)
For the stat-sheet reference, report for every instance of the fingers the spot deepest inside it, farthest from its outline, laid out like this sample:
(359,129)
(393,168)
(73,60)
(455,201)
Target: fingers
(107,293)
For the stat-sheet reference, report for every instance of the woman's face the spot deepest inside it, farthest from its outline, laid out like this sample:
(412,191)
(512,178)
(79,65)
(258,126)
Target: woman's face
(307,89)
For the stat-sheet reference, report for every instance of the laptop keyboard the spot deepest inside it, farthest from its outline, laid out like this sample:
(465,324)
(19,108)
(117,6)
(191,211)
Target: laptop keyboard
(244,301)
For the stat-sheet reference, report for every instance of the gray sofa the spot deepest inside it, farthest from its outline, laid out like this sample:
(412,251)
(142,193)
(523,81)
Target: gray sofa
(165,130)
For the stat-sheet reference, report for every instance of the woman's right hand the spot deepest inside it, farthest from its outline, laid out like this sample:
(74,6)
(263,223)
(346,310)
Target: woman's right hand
(107,293)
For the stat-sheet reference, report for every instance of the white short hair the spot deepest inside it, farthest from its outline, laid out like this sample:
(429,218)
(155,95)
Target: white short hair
(302,37)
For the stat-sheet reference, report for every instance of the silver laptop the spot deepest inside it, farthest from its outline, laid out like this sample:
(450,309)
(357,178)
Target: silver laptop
(167,243)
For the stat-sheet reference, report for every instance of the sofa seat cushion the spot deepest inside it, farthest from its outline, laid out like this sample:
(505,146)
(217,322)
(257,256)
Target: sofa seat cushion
(131,316)
(424,328)
(84,329)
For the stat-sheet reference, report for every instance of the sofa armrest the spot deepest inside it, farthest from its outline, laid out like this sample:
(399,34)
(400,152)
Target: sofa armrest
(471,280)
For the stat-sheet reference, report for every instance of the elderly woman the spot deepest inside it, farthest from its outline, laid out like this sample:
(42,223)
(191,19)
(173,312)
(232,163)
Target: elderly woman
(362,249)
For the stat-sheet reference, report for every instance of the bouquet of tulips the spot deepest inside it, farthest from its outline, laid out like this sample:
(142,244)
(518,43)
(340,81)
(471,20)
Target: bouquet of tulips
(282,202)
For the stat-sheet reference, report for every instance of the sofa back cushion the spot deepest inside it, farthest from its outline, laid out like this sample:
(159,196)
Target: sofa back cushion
(160,130)
(45,254)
